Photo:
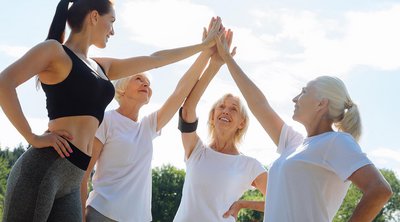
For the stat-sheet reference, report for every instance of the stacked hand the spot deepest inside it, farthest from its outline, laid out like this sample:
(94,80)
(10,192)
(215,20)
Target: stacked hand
(215,29)
(223,45)
(222,36)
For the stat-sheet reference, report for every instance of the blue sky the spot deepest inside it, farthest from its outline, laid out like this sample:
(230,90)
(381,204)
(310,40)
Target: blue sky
(281,46)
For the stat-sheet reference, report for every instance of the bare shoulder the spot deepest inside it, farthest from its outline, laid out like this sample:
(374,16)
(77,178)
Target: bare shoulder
(58,62)
(52,48)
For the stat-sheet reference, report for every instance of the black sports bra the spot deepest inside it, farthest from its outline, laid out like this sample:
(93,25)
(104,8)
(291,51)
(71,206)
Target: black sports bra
(83,92)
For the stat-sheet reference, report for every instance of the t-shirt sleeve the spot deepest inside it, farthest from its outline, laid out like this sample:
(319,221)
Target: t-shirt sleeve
(344,156)
(198,148)
(289,139)
(101,133)
(255,169)
(150,122)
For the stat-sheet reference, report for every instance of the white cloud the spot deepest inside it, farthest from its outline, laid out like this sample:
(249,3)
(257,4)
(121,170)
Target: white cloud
(165,24)
(11,137)
(388,158)
(310,44)
(13,51)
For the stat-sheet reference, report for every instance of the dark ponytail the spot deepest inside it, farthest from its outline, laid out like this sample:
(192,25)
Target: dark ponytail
(75,15)
(57,27)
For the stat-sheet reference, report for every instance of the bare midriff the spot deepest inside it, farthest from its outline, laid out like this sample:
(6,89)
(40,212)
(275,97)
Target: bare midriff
(81,128)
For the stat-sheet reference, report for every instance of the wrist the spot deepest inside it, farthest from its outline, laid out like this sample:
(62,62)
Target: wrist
(241,204)
(30,137)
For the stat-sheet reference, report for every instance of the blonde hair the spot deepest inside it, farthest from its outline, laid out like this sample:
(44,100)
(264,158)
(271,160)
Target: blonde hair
(121,84)
(239,134)
(342,110)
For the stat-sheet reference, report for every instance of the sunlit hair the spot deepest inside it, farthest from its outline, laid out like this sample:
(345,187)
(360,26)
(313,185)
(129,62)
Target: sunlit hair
(243,112)
(342,110)
(121,84)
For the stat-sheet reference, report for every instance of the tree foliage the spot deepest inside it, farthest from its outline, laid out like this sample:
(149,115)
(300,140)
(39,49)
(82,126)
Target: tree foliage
(167,192)
(7,159)
(391,211)
(168,183)
(246,215)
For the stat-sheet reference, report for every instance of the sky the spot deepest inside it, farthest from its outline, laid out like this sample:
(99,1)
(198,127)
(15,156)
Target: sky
(281,45)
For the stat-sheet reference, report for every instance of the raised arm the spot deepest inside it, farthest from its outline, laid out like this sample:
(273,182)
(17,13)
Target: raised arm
(189,79)
(189,140)
(43,58)
(119,68)
(255,99)
(96,152)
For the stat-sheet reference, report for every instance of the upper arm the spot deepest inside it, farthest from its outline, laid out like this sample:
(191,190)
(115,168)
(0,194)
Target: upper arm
(368,178)
(167,111)
(120,68)
(189,141)
(261,183)
(39,59)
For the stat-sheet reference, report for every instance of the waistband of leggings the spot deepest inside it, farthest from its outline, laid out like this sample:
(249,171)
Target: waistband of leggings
(78,158)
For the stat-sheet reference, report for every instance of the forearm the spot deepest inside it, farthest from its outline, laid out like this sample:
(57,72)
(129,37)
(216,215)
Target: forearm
(168,56)
(370,205)
(252,205)
(253,95)
(191,77)
(12,109)
(197,91)
(84,191)
(182,90)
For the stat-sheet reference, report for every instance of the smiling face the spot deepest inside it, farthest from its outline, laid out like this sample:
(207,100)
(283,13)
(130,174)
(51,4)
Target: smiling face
(228,116)
(103,28)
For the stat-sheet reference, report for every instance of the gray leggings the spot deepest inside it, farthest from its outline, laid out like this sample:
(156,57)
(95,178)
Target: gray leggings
(42,186)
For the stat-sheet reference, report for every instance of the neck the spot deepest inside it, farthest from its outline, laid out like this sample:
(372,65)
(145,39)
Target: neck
(318,127)
(79,43)
(224,144)
(130,111)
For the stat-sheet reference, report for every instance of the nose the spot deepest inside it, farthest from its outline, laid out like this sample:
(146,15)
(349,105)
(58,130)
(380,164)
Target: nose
(112,30)
(295,99)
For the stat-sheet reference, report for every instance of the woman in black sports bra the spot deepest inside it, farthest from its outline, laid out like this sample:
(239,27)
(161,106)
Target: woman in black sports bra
(44,184)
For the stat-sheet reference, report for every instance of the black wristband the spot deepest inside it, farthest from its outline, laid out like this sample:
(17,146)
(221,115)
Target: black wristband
(186,127)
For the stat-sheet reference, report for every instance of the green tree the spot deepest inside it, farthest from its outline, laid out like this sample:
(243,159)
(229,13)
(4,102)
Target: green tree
(167,192)
(390,212)
(12,155)
(4,171)
(7,160)
(246,215)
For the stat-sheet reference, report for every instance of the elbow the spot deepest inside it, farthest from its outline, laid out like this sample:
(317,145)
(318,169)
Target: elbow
(383,191)
(387,192)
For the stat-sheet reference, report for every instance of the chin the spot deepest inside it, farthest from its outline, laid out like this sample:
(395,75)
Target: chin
(101,46)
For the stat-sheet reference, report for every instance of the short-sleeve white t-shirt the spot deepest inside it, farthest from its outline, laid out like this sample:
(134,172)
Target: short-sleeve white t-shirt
(213,182)
(122,180)
(308,182)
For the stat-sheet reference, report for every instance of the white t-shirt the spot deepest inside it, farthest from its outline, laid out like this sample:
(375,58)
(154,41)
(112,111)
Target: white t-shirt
(308,182)
(213,182)
(122,180)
